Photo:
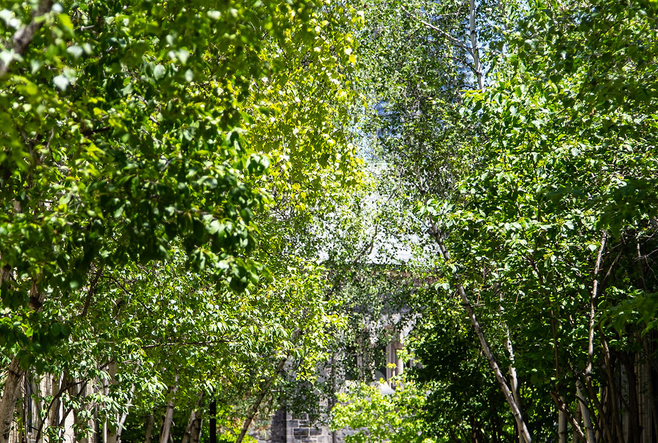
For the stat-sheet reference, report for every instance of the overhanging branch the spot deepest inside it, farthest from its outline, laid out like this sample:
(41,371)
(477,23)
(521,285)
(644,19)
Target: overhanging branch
(23,37)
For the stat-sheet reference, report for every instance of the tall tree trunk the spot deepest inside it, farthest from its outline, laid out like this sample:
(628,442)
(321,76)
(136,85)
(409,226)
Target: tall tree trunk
(587,422)
(213,420)
(196,434)
(10,395)
(15,373)
(651,390)
(602,420)
(514,381)
(562,425)
(124,416)
(194,423)
(614,400)
(577,432)
(149,428)
(634,411)
(79,422)
(475,50)
(169,414)
(516,412)
(584,411)
(264,390)
(562,406)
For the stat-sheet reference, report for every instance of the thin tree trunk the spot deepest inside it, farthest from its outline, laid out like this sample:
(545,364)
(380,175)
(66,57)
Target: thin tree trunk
(562,425)
(514,381)
(577,432)
(474,45)
(111,434)
(651,389)
(56,386)
(78,420)
(264,390)
(213,420)
(27,405)
(602,422)
(592,309)
(584,410)
(520,422)
(562,406)
(169,414)
(15,373)
(124,416)
(612,390)
(587,422)
(12,390)
(194,422)
(634,410)
(149,428)
(196,434)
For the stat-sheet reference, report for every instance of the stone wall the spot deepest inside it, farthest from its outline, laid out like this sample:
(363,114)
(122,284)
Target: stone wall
(288,429)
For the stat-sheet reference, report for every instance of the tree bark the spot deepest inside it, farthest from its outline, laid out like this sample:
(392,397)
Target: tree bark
(196,435)
(124,416)
(213,420)
(651,391)
(23,37)
(15,373)
(562,425)
(514,381)
(475,50)
(602,422)
(149,428)
(9,397)
(561,405)
(584,411)
(614,401)
(56,387)
(634,416)
(169,414)
(194,423)
(111,434)
(264,390)
(520,422)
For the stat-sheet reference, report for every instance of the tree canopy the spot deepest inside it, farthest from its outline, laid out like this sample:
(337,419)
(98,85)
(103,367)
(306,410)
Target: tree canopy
(218,209)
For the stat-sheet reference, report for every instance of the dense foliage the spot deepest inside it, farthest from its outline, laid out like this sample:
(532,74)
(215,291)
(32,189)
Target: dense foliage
(217,209)
(538,192)
(159,162)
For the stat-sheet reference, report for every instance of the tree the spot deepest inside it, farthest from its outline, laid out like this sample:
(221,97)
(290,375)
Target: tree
(531,230)
(535,195)
(128,160)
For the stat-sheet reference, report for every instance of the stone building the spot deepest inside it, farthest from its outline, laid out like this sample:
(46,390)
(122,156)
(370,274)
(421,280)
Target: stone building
(288,428)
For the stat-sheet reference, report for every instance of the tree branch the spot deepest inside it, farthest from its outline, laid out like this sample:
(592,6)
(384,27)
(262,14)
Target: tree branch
(563,407)
(23,37)
(452,39)
(484,344)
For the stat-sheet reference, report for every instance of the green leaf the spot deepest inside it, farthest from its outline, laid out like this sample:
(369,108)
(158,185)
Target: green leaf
(75,50)
(61,82)
(159,72)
